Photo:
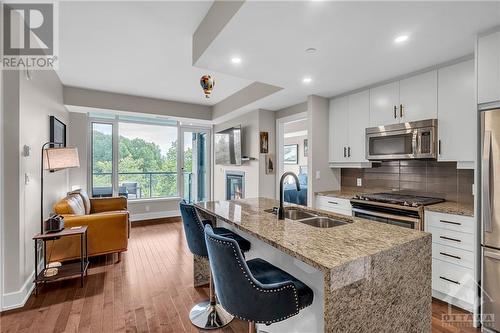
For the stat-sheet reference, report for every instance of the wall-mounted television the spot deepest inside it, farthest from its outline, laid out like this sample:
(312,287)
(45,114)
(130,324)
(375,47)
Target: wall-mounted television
(228,146)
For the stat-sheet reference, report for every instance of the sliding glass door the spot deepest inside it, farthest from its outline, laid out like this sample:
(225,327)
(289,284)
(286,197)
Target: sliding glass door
(195,164)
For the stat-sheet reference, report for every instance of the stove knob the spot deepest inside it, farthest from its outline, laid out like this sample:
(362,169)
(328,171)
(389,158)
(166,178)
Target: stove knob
(406,203)
(414,204)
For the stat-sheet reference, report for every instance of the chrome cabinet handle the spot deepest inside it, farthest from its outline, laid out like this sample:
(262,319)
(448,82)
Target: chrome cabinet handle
(395,111)
(333,202)
(451,239)
(345,151)
(449,280)
(439,147)
(348,151)
(450,222)
(401,114)
(450,255)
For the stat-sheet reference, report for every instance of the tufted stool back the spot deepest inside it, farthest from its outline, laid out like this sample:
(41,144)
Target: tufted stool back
(237,289)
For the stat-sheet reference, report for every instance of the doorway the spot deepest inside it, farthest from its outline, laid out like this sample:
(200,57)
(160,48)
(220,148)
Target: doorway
(293,150)
(195,164)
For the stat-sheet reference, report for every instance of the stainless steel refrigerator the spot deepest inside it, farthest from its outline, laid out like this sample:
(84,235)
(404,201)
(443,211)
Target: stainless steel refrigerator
(490,219)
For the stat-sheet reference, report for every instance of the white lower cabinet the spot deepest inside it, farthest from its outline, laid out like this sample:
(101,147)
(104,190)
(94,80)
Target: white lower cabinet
(453,258)
(334,205)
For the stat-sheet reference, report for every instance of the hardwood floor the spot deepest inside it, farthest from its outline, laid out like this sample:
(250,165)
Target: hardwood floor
(150,290)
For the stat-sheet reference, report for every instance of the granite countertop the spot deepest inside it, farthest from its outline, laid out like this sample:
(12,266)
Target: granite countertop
(448,207)
(323,248)
(348,192)
(452,207)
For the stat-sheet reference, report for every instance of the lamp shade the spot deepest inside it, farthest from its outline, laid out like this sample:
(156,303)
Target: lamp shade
(61,158)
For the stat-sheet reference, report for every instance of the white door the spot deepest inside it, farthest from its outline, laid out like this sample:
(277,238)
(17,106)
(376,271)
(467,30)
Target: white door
(195,160)
(359,114)
(457,113)
(418,97)
(488,68)
(339,128)
(384,103)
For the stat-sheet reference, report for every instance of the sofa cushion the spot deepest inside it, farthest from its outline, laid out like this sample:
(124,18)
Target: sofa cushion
(85,198)
(72,204)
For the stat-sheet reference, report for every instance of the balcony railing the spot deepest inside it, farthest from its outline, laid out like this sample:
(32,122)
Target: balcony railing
(141,185)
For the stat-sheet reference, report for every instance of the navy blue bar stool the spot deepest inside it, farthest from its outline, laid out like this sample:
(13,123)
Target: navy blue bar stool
(253,290)
(207,314)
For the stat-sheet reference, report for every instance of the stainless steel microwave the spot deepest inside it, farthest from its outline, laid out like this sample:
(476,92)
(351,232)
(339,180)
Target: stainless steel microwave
(412,140)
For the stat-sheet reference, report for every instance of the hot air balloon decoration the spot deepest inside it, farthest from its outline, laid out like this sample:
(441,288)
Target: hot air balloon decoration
(207,83)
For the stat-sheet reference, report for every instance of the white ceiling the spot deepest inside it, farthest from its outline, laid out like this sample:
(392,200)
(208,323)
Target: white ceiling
(354,41)
(137,48)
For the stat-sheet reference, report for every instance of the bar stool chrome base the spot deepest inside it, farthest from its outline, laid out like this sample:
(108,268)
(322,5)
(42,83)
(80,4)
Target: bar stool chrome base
(209,316)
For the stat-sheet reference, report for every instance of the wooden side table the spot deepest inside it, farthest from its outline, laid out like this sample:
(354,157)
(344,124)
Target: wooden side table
(67,270)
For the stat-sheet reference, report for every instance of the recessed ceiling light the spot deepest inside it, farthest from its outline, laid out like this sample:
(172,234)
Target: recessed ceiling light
(311,50)
(401,39)
(307,79)
(236,60)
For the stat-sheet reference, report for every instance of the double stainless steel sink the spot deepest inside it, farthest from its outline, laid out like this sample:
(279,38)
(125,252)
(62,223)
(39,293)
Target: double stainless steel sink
(308,218)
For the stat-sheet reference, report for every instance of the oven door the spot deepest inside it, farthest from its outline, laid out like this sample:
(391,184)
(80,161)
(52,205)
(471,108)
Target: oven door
(383,217)
(392,145)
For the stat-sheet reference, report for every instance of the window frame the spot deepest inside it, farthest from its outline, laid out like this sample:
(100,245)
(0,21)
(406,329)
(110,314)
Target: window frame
(115,122)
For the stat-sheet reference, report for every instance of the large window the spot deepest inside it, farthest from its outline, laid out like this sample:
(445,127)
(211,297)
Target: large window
(135,157)
(147,166)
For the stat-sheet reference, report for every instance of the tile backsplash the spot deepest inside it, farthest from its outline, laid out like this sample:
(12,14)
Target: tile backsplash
(438,179)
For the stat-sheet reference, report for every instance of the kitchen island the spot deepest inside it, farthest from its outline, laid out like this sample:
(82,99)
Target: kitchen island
(366,276)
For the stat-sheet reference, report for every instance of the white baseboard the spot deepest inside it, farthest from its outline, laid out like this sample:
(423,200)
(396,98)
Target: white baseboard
(154,215)
(18,298)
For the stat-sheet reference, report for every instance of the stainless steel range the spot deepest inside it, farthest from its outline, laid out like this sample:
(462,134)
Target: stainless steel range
(394,208)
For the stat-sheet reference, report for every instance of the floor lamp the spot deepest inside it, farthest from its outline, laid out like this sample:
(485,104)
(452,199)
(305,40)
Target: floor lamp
(55,159)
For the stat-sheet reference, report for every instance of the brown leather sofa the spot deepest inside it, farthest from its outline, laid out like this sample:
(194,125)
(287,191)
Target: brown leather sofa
(107,220)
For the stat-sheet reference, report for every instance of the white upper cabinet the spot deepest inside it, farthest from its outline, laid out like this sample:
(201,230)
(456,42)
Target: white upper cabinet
(457,113)
(488,68)
(359,114)
(384,104)
(348,120)
(418,97)
(339,129)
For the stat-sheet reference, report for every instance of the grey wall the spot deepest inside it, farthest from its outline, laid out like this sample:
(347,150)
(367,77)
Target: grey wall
(11,159)
(291,110)
(78,136)
(257,182)
(28,105)
(88,98)
(249,147)
(267,182)
(318,115)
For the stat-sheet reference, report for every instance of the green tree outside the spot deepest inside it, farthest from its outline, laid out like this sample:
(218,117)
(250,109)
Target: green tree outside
(142,157)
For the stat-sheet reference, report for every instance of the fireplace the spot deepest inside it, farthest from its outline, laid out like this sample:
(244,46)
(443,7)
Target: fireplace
(235,185)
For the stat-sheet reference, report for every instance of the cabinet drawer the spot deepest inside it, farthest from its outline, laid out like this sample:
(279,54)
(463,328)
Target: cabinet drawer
(450,222)
(336,210)
(334,203)
(453,255)
(453,280)
(452,238)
